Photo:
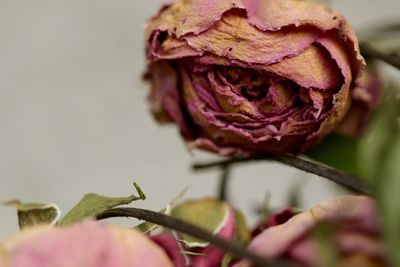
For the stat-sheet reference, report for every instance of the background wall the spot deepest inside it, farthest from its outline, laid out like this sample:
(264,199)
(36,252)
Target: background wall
(73,115)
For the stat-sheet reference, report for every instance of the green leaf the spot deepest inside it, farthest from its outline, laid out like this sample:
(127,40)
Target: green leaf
(209,214)
(381,152)
(324,235)
(148,227)
(339,152)
(227,259)
(373,147)
(32,214)
(360,156)
(389,198)
(92,205)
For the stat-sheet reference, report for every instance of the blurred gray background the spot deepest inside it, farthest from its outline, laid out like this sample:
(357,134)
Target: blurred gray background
(73,115)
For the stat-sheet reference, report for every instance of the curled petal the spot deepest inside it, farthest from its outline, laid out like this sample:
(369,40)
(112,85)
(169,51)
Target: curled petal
(312,69)
(164,97)
(356,214)
(234,38)
(183,18)
(272,15)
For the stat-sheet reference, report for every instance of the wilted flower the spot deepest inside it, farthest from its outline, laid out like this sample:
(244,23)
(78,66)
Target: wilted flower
(278,217)
(355,235)
(251,76)
(213,215)
(88,244)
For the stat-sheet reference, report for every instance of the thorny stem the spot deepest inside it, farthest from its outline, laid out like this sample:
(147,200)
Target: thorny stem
(369,51)
(190,229)
(345,179)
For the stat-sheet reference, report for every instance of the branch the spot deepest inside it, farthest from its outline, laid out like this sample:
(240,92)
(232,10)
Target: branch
(345,179)
(223,182)
(190,229)
(390,58)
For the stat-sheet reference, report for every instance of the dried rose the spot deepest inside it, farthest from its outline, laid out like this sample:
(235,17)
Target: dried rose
(87,244)
(276,218)
(212,215)
(245,77)
(355,235)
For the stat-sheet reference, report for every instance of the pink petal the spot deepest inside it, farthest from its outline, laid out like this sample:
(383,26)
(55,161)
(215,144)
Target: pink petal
(164,98)
(358,242)
(275,241)
(88,244)
(213,255)
(171,247)
(234,38)
(171,48)
(366,97)
(191,16)
(313,68)
(272,15)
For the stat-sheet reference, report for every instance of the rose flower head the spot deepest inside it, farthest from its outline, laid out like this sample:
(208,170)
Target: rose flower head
(245,77)
(345,227)
(87,244)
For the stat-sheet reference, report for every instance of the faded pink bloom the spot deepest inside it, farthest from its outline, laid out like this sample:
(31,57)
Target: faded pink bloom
(365,98)
(244,77)
(278,217)
(356,235)
(88,244)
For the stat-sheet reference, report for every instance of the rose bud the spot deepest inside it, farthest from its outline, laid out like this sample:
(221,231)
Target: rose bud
(212,215)
(353,236)
(245,77)
(87,244)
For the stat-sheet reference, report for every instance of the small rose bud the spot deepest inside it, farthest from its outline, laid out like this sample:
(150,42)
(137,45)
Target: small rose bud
(245,77)
(355,235)
(88,244)
(212,215)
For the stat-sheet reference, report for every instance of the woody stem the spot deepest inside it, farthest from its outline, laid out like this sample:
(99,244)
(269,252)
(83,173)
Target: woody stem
(345,179)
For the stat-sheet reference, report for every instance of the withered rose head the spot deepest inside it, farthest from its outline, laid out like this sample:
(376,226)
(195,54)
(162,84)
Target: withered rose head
(350,224)
(251,76)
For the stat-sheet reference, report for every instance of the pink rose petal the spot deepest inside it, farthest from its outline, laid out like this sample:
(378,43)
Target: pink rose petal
(88,244)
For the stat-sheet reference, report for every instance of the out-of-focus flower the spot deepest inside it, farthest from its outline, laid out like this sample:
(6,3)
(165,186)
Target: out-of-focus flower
(212,215)
(366,97)
(355,235)
(88,244)
(278,217)
(244,77)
